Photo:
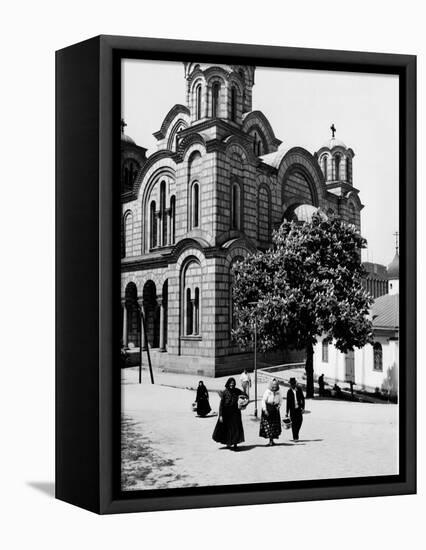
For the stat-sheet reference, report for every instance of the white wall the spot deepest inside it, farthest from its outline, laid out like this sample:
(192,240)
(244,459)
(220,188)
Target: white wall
(30,32)
(366,377)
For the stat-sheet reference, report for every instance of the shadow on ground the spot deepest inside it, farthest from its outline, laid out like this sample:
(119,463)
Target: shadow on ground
(46,487)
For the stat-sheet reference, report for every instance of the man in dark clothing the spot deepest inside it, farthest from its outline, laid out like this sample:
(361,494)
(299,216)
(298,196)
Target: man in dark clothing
(295,407)
(321,385)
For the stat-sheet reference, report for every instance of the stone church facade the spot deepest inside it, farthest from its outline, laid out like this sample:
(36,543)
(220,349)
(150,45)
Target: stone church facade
(213,192)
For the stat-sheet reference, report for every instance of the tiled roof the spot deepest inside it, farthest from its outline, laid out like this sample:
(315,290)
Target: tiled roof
(385,311)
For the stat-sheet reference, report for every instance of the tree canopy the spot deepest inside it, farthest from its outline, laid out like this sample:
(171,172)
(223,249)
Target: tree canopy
(307,285)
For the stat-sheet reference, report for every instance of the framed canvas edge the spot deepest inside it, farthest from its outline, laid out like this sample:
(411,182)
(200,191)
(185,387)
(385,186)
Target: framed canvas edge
(405,67)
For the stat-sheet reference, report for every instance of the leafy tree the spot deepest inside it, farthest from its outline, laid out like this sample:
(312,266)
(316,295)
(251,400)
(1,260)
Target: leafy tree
(308,284)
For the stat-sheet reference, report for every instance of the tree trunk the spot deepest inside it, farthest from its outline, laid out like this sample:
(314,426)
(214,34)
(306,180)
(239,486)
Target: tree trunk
(309,368)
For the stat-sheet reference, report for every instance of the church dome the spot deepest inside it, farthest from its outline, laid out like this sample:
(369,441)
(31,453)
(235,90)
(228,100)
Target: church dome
(393,268)
(333,142)
(304,213)
(127,139)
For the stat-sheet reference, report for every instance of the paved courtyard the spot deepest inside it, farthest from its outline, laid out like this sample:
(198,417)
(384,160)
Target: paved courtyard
(165,445)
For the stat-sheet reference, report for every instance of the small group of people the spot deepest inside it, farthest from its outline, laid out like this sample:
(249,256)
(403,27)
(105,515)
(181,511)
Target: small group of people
(229,428)
(270,420)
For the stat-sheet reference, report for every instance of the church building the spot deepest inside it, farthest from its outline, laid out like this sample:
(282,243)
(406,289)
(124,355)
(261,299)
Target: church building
(219,183)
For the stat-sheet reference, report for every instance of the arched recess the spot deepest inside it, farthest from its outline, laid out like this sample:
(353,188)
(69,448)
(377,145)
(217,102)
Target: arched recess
(128,233)
(155,206)
(194,190)
(298,182)
(237,201)
(300,175)
(191,292)
(172,142)
(131,336)
(151,314)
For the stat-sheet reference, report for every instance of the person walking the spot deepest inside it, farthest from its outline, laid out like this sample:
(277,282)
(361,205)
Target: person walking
(295,407)
(229,427)
(321,385)
(245,382)
(202,400)
(270,420)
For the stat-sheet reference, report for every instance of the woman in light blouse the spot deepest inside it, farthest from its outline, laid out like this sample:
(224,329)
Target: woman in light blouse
(270,420)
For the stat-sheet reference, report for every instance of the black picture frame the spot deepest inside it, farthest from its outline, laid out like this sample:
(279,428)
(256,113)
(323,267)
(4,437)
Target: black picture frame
(88,272)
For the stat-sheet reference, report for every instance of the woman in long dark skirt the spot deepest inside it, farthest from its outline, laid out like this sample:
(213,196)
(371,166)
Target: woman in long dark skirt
(270,420)
(202,400)
(229,428)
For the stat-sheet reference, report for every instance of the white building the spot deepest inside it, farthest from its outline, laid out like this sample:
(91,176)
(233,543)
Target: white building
(373,366)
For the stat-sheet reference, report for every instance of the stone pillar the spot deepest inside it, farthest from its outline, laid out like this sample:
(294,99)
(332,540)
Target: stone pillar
(124,335)
(160,302)
(194,316)
(142,313)
(168,236)
(158,224)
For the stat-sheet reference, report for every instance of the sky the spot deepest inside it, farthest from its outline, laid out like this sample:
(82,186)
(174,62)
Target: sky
(300,105)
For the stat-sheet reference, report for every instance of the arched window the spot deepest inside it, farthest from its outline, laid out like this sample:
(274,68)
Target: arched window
(215,99)
(337,167)
(195,205)
(378,356)
(152,226)
(233,103)
(325,346)
(191,283)
(236,206)
(188,313)
(324,167)
(196,312)
(348,170)
(163,237)
(128,234)
(198,101)
(172,219)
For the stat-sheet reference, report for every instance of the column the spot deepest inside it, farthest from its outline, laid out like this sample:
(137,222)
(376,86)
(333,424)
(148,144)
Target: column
(142,314)
(159,232)
(160,302)
(124,335)
(168,237)
(194,316)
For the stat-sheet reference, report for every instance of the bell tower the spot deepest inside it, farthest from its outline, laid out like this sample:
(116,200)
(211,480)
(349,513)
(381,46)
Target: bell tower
(218,91)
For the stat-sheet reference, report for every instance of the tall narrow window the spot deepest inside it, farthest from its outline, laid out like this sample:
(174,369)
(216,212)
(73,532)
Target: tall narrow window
(163,237)
(324,167)
(128,234)
(195,205)
(153,226)
(196,313)
(325,346)
(198,101)
(233,103)
(337,167)
(235,207)
(348,170)
(215,99)
(189,312)
(378,356)
(172,219)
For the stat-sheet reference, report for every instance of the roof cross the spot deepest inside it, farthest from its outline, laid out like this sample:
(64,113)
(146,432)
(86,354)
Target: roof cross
(333,129)
(123,125)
